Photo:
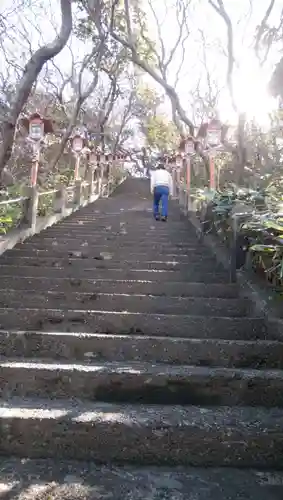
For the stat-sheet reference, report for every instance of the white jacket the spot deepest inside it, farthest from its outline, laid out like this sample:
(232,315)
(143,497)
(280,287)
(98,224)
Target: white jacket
(161,177)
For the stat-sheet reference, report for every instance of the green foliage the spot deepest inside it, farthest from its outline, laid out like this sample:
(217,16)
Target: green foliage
(144,45)
(45,205)
(148,101)
(161,133)
(10,216)
(115,56)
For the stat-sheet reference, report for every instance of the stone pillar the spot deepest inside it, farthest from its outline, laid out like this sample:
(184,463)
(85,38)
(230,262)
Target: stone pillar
(174,177)
(90,181)
(78,193)
(101,180)
(60,200)
(109,183)
(30,207)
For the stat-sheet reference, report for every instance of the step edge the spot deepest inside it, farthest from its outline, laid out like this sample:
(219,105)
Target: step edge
(119,336)
(238,300)
(124,367)
(247,418)
(207,318)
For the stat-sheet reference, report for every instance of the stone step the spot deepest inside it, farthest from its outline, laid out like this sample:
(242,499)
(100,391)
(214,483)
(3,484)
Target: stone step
(171,288)
(125,239)
(84,247)
(102,216)
(130,246)
(91,348)
(142,245)
(86,480)
(92,253)
(113,274)
(92,228)
(115,227)
(92,263)
(119,238)
(141,382)
(125,323)
(130,222)
(125,302)
(112,234)
(142,434)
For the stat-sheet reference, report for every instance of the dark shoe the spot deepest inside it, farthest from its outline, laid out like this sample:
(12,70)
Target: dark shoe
(164,219)
(157,217)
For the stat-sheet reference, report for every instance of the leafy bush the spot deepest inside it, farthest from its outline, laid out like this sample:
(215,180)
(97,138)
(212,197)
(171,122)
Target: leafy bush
(10,216)
(45,204)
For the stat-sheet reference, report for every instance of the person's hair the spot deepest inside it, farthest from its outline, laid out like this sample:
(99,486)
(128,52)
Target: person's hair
(161,166)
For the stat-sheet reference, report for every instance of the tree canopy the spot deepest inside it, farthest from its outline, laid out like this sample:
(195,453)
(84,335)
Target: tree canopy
(141,73)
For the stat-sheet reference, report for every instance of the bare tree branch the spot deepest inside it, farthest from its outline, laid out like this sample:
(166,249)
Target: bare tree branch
(170,91)
(181,38)
(125,118)
(262,27)
(220,9)
(31,72)
(95,57)
(160,38)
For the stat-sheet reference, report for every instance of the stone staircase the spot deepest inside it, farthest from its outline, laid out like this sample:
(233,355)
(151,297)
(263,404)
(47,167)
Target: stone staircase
(122,341)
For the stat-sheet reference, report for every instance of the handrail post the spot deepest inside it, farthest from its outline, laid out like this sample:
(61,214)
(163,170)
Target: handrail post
(90,181)
(100,179)
(188,202)
(60,200)
(183,198)
(109,180)
(30,207)
(106,178)
(178,184)
(78,194)
(174,178)
(233,249)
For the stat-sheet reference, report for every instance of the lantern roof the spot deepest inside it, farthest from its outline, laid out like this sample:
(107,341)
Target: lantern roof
(202,131)
(48,122)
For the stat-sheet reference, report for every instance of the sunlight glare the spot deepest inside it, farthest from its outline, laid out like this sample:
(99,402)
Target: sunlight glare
(251,94)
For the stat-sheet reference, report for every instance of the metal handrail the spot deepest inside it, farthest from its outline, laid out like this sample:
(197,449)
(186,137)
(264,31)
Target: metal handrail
(13,200)
(44,193)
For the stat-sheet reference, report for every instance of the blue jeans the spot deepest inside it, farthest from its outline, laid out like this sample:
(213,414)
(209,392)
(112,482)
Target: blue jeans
(160,194)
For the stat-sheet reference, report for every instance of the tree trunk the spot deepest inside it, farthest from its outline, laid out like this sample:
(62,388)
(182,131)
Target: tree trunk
(241,150)
(66,135)
(30,74)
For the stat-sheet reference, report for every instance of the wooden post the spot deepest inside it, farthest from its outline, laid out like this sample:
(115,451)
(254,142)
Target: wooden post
(30,207)
(60,200)
(78,194)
